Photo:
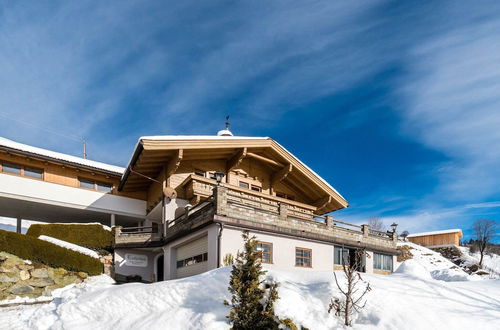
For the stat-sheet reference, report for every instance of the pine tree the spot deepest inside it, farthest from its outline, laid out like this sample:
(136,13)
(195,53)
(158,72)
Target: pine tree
(252,299)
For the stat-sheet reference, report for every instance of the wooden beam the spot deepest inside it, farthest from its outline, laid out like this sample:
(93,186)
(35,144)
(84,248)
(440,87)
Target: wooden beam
(264,159)
(281,174)
(175,162)
(323,202)
(236,159)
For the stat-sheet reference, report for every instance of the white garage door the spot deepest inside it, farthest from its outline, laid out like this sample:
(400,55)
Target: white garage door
(192,258)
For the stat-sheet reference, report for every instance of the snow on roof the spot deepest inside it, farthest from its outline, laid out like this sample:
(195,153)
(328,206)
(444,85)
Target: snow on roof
(215,137)
(438,232)
(60,156)
(200,137)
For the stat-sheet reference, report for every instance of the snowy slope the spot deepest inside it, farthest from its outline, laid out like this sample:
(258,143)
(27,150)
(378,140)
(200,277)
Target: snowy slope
(399,301)
(491,263)
(69,246)
(431,264)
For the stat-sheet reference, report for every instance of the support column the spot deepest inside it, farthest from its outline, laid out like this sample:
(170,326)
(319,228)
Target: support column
(366,230)
(112,220)
(18,225)
(329,221)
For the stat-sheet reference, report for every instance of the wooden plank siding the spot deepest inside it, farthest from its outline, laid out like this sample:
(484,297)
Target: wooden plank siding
(436,240)
(64,174)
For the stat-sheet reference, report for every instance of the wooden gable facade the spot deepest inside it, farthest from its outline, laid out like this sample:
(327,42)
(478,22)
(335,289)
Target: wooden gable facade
(257,165)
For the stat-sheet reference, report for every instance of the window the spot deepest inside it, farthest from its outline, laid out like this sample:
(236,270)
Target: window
(99,186)
(338,254)
(86,184)
(244,185)
(266,250)
(22,170)
(33,172)
(256,188)
(382,261)
(11,168)
(199,173)
(104,187)
(303,257)
(192,260)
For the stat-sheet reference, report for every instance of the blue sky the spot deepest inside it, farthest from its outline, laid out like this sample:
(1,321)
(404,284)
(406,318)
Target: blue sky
(396,103)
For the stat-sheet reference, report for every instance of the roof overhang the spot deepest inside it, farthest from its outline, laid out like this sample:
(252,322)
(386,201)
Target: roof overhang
(153,152)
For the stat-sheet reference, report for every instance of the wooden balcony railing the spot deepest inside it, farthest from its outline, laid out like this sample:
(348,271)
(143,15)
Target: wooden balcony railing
(254,207)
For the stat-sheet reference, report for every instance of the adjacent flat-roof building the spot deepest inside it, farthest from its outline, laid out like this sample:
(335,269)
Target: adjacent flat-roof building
(440,238)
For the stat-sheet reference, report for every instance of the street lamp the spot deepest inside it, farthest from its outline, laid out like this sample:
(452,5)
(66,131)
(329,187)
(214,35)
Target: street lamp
(394,226)
(218,176)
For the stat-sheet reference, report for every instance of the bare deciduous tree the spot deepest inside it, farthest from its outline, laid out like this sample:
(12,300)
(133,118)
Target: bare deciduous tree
(376,223)
(352,299)
(405,234)
(484,229)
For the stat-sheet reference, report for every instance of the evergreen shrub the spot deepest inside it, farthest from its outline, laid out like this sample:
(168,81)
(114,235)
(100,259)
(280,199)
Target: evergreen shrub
(92,236)
(34,249)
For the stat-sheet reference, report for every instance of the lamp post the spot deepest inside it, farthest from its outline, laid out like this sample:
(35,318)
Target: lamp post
(394,226)
(218,176)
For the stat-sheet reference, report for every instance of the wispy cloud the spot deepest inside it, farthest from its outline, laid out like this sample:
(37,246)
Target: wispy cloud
(451,104)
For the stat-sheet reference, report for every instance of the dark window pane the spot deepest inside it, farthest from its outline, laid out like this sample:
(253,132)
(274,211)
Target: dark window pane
(87,184)
(199,173)
(256,188)
(33,172)
(104,187)
(11,168)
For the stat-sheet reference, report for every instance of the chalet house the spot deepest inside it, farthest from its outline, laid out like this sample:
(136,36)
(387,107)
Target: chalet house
(437,239)
(181,204)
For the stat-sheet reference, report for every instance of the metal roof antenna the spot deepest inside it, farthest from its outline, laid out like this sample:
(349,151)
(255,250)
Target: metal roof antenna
(226,131)
(84,140)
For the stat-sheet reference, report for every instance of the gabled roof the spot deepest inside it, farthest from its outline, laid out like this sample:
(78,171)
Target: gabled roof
(438,232)
(152,152)
(45,154)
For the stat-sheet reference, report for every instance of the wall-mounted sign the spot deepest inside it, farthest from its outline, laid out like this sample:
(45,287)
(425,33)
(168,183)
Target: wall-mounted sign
(136,260)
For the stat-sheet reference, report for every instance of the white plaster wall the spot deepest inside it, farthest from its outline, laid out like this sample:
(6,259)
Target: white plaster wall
(369,262)
(283,250)
(147,273)
(55,194)
(174,208)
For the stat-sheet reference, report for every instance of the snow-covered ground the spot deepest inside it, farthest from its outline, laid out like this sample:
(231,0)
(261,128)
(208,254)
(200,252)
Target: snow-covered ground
(70,246)
(408,299)
(431,264)
(491,262)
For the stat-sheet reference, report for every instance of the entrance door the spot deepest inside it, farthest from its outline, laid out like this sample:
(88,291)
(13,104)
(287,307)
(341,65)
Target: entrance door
(159,268)
(352,259)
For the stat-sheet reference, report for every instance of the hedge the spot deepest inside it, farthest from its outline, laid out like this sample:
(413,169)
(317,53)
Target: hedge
(92,236)
(34,249)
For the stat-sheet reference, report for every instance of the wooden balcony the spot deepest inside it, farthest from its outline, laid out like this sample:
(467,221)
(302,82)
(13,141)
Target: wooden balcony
(198,187)
(255,210)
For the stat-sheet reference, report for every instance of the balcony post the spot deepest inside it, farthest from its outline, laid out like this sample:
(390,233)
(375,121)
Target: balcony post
(118,232)
(329,221)
(220,200)
(366,230)
(283,211)
(394,237)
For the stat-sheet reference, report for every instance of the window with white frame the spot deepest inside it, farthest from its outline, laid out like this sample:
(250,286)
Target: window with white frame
(382,261)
